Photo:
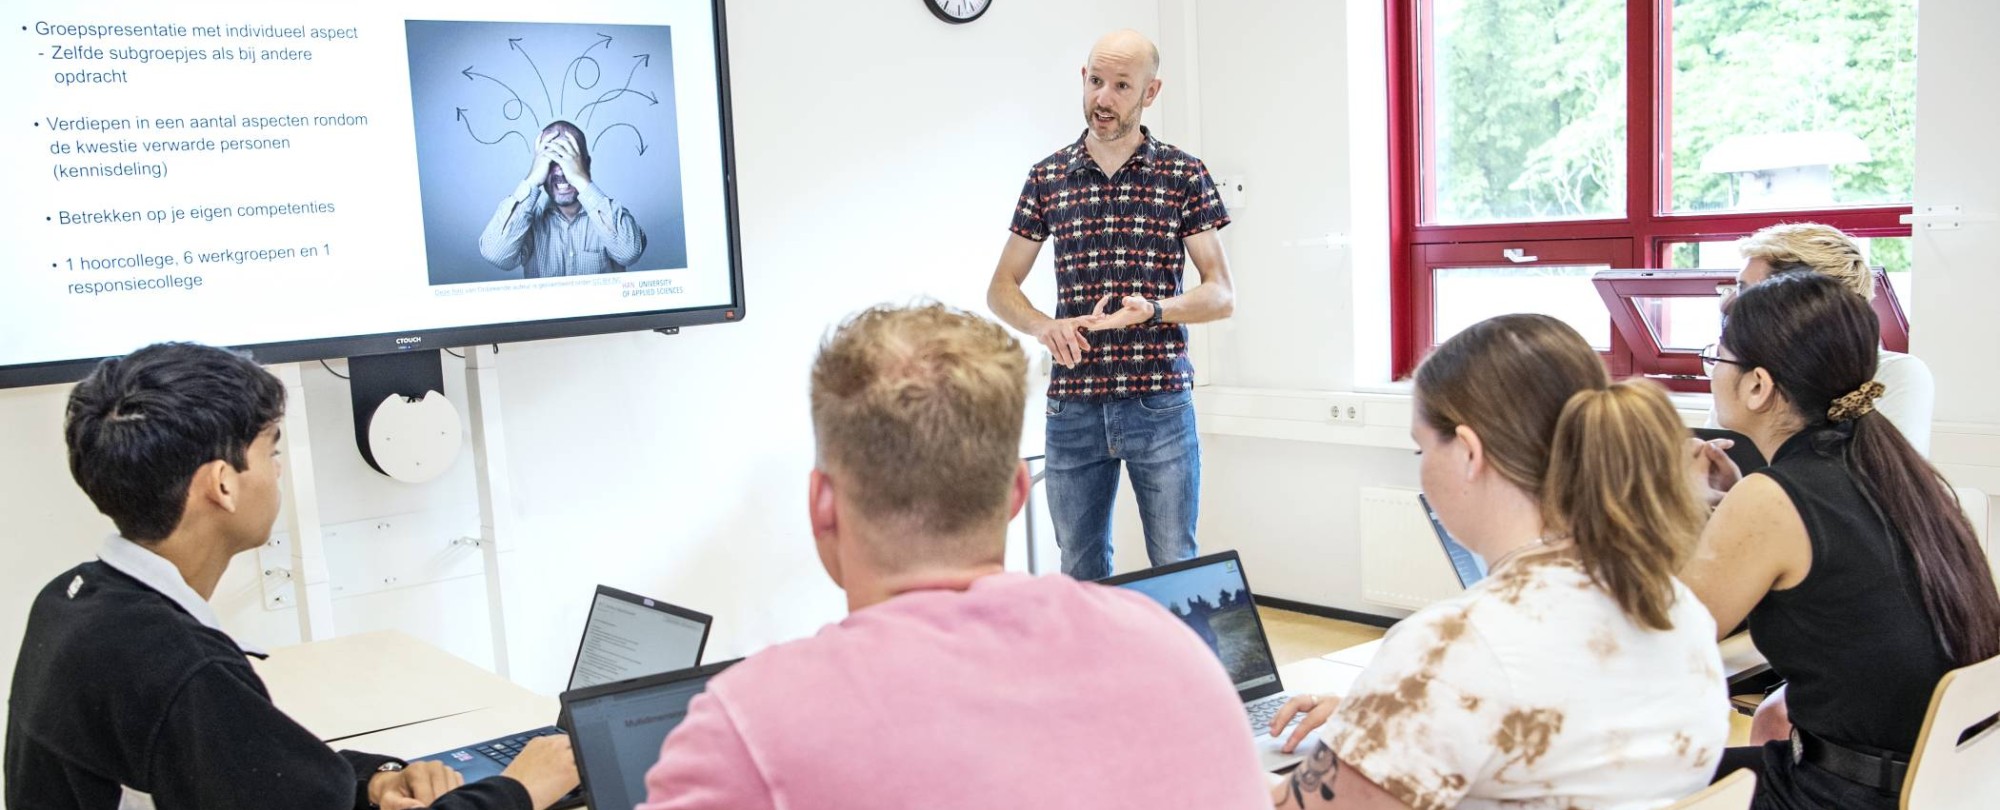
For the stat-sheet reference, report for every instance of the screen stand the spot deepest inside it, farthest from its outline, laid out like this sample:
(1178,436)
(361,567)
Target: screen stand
(496,489)
(383,386)
(312,592)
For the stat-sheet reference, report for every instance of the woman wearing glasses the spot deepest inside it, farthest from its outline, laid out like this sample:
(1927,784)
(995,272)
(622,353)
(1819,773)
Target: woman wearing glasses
(1809,247)
(1852,560)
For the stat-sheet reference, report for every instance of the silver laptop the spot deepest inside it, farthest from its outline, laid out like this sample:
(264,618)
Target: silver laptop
(626,636)
(1212,595)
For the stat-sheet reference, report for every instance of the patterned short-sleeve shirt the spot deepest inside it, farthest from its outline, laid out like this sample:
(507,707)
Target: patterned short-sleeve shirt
(1120,235)
(1534,691)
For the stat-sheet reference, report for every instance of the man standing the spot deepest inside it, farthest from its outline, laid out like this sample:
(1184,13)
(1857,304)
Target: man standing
(558,223)
(937,691)
(128,694)
(1124,209)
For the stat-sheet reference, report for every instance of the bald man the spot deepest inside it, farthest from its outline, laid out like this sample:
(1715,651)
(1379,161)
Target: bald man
(557,222)
(1126,211)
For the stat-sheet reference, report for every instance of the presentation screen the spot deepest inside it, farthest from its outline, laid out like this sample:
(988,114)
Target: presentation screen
(327,180)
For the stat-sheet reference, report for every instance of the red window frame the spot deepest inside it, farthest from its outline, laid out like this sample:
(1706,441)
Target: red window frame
(1612,253)
(1648,222)
(1679,369)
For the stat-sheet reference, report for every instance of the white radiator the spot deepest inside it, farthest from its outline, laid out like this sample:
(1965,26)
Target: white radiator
(1402,563)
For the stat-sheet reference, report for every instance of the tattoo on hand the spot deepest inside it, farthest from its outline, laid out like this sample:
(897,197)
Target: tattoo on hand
(1315,774)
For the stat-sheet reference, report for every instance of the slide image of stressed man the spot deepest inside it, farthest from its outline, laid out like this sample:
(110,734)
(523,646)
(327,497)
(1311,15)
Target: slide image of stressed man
(559,223)
(589,110)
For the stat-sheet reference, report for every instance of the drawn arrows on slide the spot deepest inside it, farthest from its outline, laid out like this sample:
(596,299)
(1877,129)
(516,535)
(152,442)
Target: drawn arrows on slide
(515,43)
(599,140)
(642,60)
(563,97)
(524,138)
(468,74)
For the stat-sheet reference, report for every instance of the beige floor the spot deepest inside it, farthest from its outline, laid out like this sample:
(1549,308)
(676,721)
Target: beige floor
(1298,636)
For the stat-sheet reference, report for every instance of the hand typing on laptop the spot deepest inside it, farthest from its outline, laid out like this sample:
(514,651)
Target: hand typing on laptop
(1311,711)
(546,767)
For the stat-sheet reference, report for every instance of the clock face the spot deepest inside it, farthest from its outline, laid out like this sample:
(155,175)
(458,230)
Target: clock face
(958,11)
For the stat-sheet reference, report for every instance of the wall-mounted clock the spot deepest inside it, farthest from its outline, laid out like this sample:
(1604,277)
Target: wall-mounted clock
(958,11)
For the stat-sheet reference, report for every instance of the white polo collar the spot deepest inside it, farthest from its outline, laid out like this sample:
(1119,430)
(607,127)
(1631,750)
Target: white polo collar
(156,572)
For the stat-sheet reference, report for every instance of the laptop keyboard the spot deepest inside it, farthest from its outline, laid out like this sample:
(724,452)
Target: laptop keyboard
(505,749)
(1262,711)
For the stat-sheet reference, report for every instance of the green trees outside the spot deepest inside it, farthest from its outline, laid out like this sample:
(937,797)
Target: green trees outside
(1529,99)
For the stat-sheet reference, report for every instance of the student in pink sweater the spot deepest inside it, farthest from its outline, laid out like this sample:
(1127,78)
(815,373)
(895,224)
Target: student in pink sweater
(953,684)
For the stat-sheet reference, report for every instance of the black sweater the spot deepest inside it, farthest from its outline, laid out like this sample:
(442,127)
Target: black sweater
(118,687)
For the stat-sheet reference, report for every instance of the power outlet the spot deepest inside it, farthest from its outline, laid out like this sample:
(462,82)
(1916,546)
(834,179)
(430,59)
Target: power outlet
(1348,411)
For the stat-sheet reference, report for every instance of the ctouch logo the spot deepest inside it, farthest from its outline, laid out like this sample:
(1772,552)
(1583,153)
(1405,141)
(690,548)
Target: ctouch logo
(409,341)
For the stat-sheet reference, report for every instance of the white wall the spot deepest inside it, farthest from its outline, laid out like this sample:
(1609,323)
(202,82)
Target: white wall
(1279,86)
(880,155)
(1954,270)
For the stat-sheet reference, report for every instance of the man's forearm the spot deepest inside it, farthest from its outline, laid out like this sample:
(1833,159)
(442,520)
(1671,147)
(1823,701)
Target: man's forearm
(623,240)
(501,242)
(1210,301)
(1007,301)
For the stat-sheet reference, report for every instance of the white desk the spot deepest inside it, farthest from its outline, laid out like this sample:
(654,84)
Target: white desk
(444,733)
(367,682)
(389,693)
(1319,676)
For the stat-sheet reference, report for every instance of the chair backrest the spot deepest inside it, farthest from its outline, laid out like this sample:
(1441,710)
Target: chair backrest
(1957,760)
(1732,792)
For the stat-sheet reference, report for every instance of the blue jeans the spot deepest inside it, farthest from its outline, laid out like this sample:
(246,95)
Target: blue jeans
(1154,436)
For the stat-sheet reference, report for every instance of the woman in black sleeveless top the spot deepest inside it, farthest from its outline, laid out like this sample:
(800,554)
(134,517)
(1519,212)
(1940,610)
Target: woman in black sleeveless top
(1854,563)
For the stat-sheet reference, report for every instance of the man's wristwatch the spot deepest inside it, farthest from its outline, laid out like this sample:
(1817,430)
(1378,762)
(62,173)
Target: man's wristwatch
(1159,312)
(391,766)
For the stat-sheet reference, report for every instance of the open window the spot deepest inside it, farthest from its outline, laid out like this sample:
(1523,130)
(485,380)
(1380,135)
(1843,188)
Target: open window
(1650,133)
(1666,317)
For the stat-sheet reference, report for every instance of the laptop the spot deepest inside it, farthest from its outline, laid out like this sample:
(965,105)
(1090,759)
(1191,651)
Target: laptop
(616,729)
(626,636)
(1212,595)
(1469,567)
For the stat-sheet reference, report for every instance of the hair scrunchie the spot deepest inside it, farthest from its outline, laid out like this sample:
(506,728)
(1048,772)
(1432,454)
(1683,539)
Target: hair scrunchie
(1857,403)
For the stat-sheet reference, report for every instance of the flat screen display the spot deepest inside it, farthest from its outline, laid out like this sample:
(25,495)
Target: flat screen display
(327,180)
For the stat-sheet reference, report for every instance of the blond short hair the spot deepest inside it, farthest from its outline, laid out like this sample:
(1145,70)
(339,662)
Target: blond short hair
(918,415)
(1822,248)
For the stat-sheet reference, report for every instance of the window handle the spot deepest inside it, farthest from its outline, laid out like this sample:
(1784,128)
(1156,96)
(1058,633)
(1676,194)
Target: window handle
(1518,256)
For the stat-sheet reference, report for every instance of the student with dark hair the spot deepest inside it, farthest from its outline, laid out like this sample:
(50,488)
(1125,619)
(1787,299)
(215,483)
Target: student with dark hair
(127,693)
(1852,559)
(1581,673)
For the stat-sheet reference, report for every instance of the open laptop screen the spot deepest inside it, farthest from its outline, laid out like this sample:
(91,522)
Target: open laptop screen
(630,636)
(617,730)
(1469,567)
(1212,596)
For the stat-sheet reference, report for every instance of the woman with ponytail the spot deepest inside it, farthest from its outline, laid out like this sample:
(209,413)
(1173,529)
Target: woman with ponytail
(1580,673)
(1851,558)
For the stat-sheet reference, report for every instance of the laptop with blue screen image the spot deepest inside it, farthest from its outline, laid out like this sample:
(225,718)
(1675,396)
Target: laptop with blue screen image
(1211,595)
(1469,567)
(617,729)
(626,636)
